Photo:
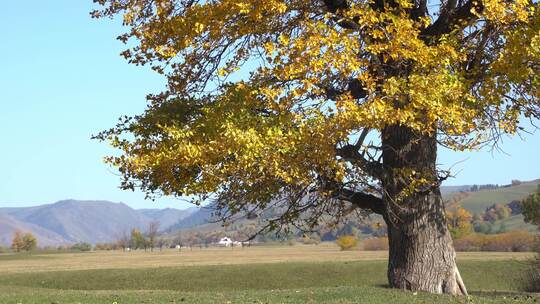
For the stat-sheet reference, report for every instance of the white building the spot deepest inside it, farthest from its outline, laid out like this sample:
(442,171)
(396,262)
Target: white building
(225,241)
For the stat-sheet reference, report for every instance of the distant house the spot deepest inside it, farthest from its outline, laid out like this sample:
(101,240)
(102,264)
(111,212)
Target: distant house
(225,241)
(228,242)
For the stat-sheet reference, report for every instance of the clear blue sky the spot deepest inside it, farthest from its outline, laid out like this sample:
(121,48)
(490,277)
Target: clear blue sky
(62,80)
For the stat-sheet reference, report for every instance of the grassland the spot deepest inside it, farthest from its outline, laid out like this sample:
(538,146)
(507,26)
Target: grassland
(298,274)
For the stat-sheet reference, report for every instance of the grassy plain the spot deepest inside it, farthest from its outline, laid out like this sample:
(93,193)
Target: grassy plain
(297,274)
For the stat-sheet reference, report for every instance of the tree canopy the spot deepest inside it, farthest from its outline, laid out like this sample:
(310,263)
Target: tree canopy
(276,99)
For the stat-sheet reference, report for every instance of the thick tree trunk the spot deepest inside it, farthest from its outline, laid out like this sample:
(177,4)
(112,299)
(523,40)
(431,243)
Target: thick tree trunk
(422,256)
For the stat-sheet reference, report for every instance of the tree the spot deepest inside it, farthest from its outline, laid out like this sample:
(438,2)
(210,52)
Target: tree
(459,221)
(531,208)
(161,241)
(320,107)
(29,241)
(178,241)
(152,233)
(123,241)
(17,243)
(137,239)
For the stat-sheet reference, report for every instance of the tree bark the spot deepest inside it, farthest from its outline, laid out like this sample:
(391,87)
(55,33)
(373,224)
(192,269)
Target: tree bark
(422,257)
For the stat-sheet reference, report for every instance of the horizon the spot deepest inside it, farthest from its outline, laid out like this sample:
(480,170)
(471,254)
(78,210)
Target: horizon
(64,80)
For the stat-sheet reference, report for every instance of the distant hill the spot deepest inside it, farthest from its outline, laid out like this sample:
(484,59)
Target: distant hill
(447,190)
(478,201)
(168,217)
(200,216)
(8,225)
(72,221)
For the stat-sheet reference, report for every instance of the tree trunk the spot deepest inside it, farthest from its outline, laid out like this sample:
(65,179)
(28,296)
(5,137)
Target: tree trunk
(422,256)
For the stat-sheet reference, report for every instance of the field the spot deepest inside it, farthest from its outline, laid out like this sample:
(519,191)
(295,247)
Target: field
(295,274)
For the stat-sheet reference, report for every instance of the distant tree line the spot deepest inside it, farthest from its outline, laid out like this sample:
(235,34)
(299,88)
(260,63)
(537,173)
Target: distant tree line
(475,188)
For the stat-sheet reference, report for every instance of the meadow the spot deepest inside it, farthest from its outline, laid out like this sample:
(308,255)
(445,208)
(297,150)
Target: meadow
(270,274)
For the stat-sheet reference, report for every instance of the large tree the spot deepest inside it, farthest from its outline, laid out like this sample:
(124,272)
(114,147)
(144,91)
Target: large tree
(325,107)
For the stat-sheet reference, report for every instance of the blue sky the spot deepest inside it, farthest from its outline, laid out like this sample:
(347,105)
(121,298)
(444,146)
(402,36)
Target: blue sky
(62,80)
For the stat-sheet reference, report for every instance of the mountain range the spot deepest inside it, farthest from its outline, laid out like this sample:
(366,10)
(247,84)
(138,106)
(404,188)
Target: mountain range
(72,221)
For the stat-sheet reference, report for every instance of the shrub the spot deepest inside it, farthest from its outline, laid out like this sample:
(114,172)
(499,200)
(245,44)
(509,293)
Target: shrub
(106,246)
(510,241)
(81,247)
(473,242)
(380,243)
(347,242)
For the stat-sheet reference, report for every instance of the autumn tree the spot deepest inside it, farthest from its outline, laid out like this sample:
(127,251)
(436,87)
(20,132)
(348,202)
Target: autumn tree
(320,108)
(137,239)
(29,242)
(459,221)
(17,243)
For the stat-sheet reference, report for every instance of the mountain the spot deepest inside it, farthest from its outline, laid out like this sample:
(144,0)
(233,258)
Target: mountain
(72,221)
(199,216)
(167,217)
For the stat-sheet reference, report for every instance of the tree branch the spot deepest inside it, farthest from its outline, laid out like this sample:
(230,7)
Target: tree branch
(334,7)
(362,200)
(350,153)
(450,18)
(355,88)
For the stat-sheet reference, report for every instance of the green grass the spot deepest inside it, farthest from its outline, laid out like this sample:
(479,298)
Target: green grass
(336,282)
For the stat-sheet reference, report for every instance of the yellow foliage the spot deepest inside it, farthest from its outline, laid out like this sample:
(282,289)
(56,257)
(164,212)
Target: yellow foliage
(26,241)
(17,243)
(347,242)
(459,221)
(258,95)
